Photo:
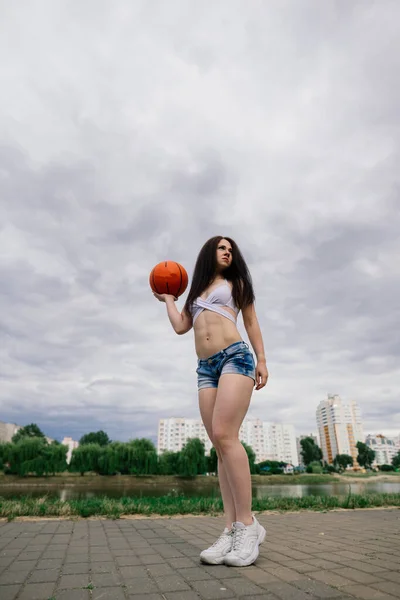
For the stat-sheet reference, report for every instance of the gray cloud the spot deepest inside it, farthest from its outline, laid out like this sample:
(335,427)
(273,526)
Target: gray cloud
(138,131)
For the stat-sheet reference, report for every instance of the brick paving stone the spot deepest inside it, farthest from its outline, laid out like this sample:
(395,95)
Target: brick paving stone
(101,567)
(179,596)
(330,578)
(103,557)
(37,591)
(123,561)
(14,577)
(9,592)
(391,576)
(221,571)
(76,568)
(182,563)
(49,563)
(301,567)
(131,572)
(364,592)
(52,554)
(358,576)
(389,587)
(363,566)
(171,583)
(108,593)
(258,575)
(317,589)
(106,579)
(152,559)
(321,563)
(286,591)
(158,570)
(80,580)
(213,590)
(73,595)
(242,587)
(44,576)
(138,557)
(151,597)
(285,574)
(194,573)
(24,565)
(141,585)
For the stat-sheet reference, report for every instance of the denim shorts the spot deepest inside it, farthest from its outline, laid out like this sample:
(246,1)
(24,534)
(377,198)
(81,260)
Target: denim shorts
(236,359)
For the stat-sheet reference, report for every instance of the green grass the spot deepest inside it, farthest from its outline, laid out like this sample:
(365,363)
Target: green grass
(75,479)
(114,508)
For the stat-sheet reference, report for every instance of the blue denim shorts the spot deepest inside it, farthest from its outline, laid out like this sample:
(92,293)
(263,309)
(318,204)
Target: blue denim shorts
(236,358)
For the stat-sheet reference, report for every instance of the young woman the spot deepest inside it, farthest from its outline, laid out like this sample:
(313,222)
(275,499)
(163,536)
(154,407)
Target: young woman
(221,287)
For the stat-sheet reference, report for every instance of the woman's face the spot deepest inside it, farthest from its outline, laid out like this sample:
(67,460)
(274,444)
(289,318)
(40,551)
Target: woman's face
(224,255)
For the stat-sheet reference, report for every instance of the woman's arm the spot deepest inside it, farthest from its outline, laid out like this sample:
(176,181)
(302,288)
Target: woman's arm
(181,322)
(254,332)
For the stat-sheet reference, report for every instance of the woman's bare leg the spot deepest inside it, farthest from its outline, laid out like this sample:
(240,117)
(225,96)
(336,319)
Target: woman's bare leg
(230,408)
(207,397)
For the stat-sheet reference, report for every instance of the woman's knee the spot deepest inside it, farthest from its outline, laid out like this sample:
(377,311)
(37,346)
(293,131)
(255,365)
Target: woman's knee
(222,439)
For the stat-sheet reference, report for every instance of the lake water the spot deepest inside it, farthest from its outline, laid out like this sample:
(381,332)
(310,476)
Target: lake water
(190,489)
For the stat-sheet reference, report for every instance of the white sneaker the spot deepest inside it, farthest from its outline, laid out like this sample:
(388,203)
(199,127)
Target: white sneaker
(215,554)
(246,540)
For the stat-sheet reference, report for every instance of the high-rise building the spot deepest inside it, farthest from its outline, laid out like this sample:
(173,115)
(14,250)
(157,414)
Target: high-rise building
(269,441)
(173,433)
(72,444)
(340,428)
(385,448)
(299,448)
(7,431)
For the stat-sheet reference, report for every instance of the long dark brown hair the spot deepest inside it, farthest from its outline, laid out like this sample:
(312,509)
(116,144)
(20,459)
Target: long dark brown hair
(237,273)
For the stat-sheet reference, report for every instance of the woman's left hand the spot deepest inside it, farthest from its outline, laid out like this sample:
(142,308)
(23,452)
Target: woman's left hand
(261,375)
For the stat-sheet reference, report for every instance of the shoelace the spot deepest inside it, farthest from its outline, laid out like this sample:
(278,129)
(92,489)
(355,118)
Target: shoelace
(221,540)
(237,538)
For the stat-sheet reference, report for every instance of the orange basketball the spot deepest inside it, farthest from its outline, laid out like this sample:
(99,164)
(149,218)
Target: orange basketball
(168,277)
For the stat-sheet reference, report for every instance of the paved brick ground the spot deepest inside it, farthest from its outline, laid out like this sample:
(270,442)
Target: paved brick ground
(306,556)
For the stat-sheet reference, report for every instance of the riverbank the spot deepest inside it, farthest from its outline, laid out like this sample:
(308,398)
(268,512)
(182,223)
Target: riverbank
(92,479)
(180,505)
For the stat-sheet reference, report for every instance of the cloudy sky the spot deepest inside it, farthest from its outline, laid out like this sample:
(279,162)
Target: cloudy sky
(130,133)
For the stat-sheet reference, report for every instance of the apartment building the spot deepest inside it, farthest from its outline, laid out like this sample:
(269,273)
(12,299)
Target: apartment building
(72,444)
(269,441)
(173,433)
(7,431)
(385,448)
(340,428)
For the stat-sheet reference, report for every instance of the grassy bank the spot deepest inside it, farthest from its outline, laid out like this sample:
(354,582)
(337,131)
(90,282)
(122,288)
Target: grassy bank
(95,480)
(181,505)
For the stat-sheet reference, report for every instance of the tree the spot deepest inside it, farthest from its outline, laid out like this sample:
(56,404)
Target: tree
(192,459)
(212,461)
(396,460)
(85,458)
(342,461)
(251,456)
(29,431)
(33,455)
(95,437)
(271,467)
(310,452)
(315,467)
(144,457)
(168,463)
(365,456)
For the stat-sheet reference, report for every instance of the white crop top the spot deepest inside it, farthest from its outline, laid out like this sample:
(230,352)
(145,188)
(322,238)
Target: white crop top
(219,298)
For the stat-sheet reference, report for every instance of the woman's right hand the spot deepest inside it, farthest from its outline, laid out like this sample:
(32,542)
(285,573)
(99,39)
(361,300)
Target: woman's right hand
(163,297)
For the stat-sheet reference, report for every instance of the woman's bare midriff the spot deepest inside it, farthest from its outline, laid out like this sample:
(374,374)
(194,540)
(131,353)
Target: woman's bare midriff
(213,332)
